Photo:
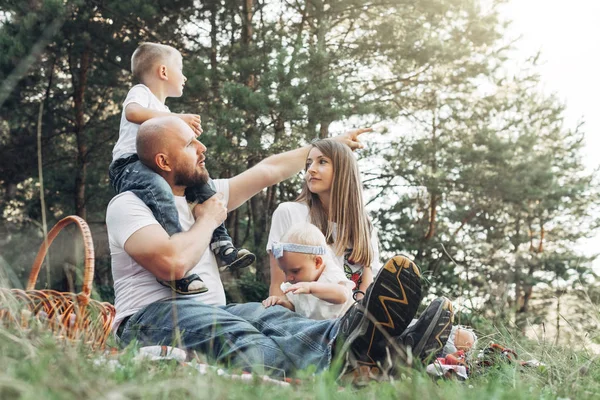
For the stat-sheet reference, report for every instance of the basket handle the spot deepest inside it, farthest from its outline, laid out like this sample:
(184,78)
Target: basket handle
(88,248)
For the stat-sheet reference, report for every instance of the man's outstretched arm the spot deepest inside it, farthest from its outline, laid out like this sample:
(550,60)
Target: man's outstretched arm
(277,168)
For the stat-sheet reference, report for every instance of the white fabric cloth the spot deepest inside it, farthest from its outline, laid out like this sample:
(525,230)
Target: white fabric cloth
(136,287)
(141,95)
(312,307)
(291,213)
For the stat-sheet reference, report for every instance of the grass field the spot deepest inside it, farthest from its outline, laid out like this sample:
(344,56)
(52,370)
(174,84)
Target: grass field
(38,366)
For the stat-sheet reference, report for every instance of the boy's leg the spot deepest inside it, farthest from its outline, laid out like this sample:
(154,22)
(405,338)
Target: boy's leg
(151,188)
(228,257)
(131,175)
(115,170)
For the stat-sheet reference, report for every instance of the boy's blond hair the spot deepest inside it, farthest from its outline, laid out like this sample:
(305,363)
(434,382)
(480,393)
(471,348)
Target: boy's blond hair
(305,234)
(147,56)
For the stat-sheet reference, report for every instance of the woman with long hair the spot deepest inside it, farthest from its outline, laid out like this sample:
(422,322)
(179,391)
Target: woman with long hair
(331,199)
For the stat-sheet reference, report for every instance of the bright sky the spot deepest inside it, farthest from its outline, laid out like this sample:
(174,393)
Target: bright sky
(567,32)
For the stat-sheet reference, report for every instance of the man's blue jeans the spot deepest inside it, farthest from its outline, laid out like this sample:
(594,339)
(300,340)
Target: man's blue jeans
(273,340)
(129,174)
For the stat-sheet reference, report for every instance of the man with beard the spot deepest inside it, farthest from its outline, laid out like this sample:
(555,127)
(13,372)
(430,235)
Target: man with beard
(247,335)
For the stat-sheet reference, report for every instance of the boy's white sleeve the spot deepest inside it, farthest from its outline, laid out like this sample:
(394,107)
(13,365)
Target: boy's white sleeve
(280,223)
(138,94)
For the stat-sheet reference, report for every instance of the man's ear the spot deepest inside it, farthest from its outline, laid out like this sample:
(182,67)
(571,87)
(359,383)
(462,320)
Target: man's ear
(162,162)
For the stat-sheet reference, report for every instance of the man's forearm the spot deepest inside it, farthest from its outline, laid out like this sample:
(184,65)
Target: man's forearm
(279,167)
(268,172)
(192,244)
(183,251)
(284,165)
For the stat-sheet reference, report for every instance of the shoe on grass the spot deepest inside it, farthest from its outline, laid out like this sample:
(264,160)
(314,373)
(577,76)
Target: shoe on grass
(368,327)
(428,336)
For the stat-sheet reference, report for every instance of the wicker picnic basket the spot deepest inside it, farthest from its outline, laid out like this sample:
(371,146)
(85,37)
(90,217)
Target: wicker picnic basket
(68,315)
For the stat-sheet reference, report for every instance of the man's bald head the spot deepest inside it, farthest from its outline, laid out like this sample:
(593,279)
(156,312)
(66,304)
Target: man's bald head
(158,135)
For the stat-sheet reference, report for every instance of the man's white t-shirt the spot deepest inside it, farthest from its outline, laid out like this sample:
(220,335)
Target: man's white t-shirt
(135,286)
(141,95)
(312,307)
(292,213)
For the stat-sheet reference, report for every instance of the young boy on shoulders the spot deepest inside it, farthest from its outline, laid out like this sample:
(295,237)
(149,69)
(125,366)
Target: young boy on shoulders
(158,71)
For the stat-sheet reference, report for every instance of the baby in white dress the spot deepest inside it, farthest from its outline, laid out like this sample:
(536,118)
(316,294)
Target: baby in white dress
(315,286)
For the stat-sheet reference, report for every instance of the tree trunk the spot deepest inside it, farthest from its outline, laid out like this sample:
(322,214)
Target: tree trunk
(79,86)
(433,192)
(214,78)
(557,319)
(324,129)
(257,203)
(432,217)
(523,303)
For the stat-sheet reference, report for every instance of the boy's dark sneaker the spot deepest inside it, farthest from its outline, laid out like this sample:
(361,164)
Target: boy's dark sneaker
(368,328)
(238,259)
(428,336)
(229,258)
(191,284)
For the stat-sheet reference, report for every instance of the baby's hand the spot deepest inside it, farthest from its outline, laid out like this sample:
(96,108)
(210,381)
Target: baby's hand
(299,288)
(284,286)
(270,301)
(276,300)
(194,121)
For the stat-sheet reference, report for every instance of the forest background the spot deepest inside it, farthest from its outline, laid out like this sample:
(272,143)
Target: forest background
(476,175)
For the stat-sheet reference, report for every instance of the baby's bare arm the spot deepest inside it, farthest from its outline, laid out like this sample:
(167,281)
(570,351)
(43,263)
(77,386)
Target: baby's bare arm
(335,293)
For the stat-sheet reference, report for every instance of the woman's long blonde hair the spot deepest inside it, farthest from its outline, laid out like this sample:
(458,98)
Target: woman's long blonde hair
(346,206)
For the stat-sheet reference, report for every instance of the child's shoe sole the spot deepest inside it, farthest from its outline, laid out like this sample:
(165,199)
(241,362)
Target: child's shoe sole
(243,260)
